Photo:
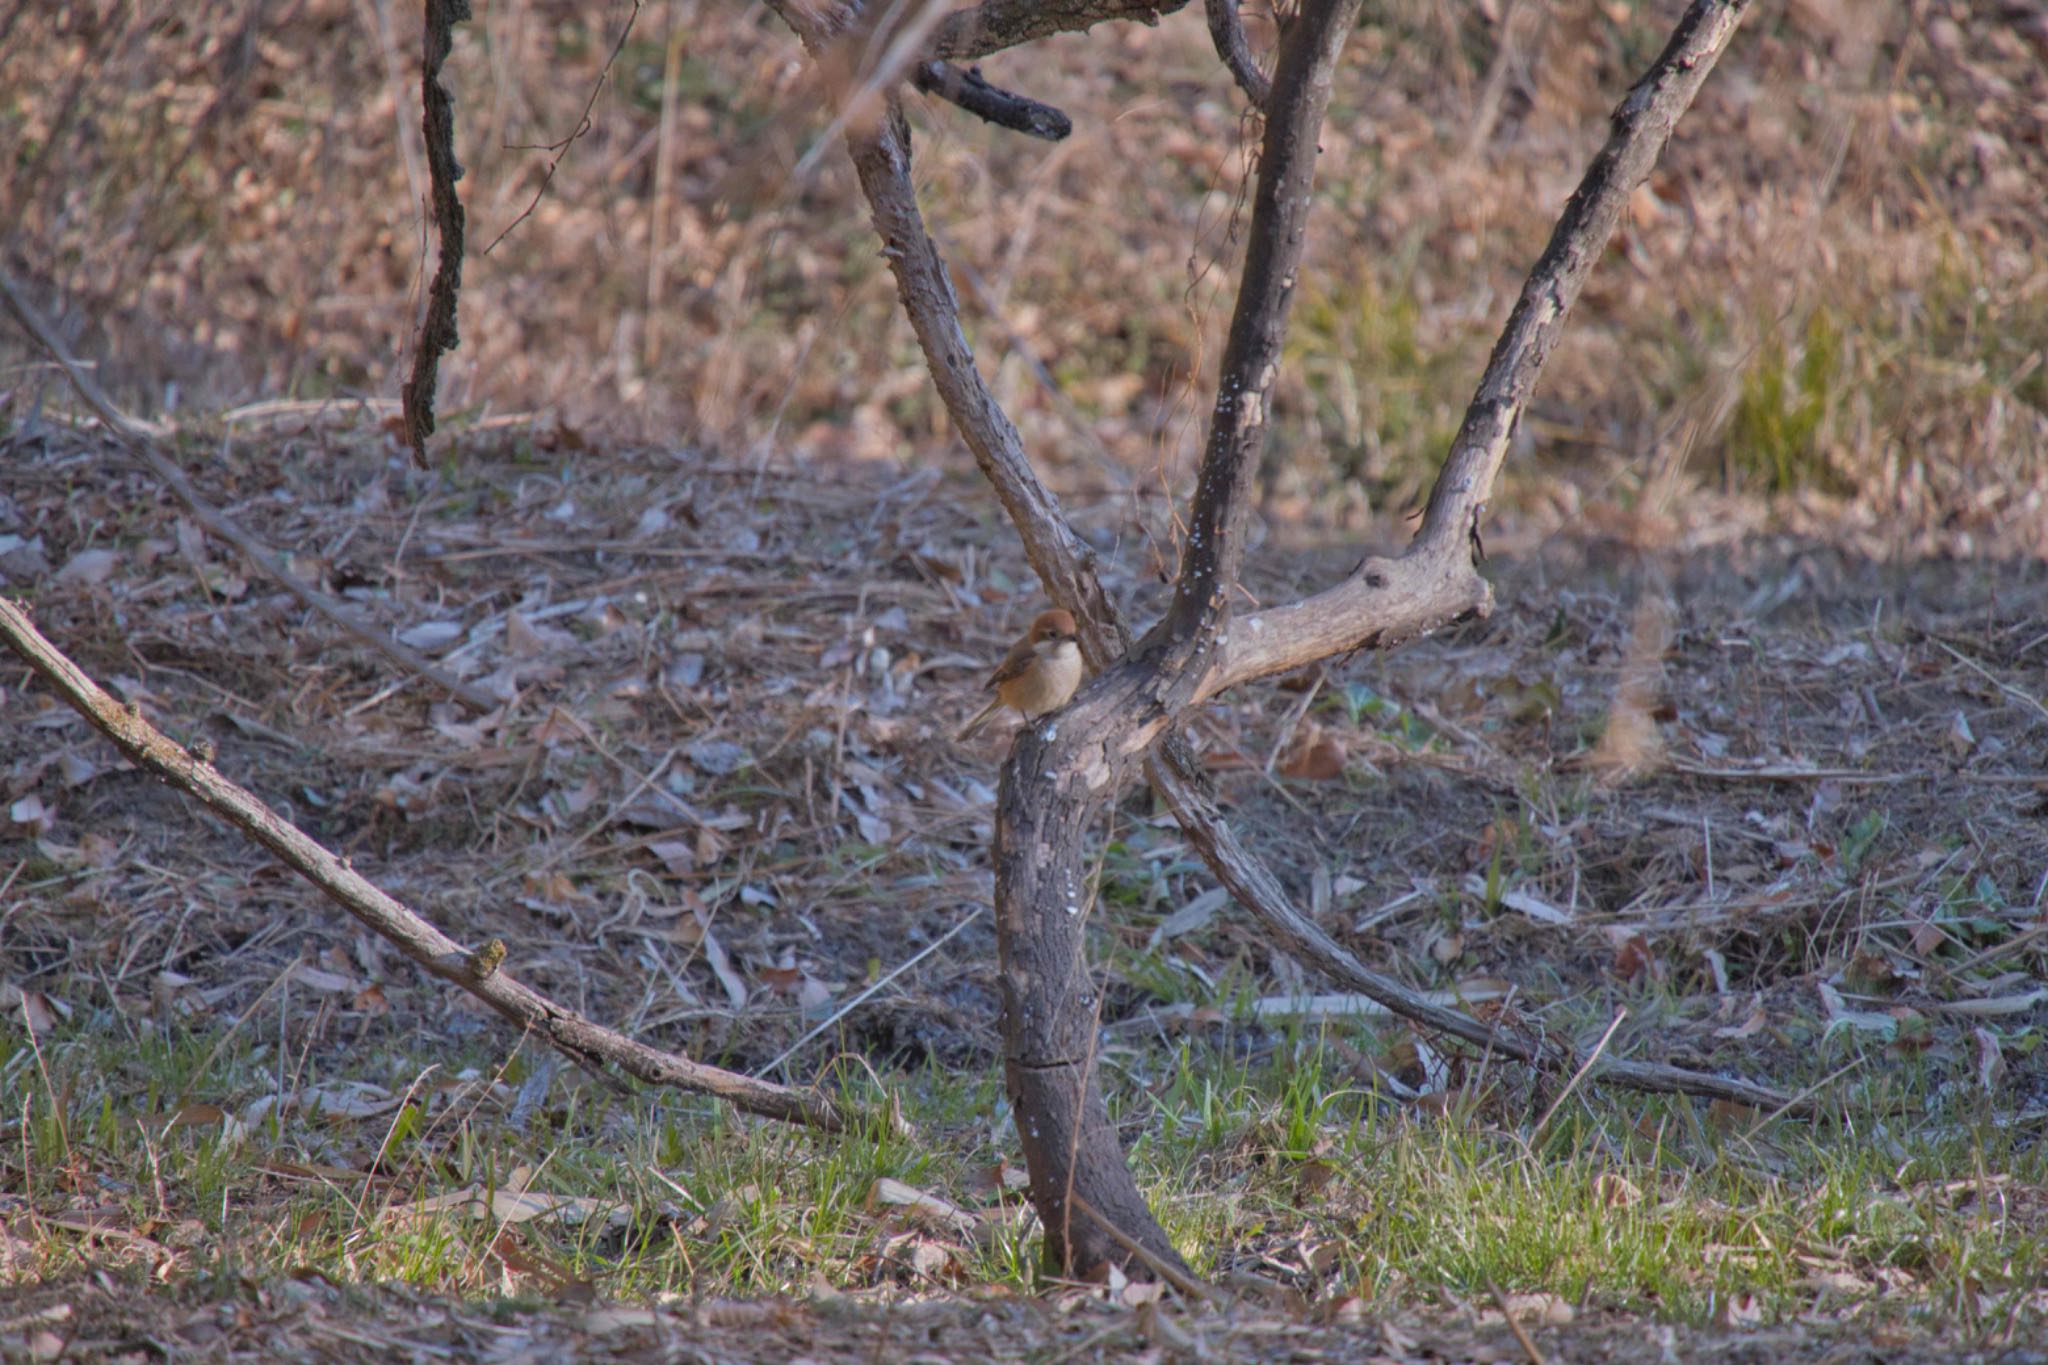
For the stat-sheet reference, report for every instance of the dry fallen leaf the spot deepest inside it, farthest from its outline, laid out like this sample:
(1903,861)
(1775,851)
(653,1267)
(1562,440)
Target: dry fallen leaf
(1841,1283)
(33,1006)
(1749,1027)
(1990,1058)
(1547,1310)
(1317,757)
(1743,1311)
(1633,959)
(326,983)
(89,566)
(1616,1191)
(195,1116)
(30,812)
(924,1207)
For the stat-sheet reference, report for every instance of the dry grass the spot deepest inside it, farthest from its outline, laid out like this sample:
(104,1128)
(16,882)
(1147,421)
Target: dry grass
(1834,288)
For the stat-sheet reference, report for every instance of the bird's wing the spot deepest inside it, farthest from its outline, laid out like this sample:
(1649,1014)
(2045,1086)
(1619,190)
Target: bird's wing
(1020,657)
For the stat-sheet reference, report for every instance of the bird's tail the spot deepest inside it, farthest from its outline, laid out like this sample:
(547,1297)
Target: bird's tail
(973,727)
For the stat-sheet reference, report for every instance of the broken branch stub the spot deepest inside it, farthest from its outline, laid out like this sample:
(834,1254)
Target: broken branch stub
(997,24)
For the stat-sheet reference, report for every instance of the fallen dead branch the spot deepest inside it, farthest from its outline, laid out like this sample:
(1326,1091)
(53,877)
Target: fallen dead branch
(140,440)
(1255,888)
(191,771)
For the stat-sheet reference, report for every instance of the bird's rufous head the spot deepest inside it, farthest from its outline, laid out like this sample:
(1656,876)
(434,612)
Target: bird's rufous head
(1053,625)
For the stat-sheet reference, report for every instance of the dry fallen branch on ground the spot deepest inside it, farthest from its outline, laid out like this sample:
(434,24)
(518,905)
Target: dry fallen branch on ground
(140,439)
(192,772)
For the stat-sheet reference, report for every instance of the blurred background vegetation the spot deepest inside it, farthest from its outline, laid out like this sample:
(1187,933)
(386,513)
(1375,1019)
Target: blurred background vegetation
(1834,294)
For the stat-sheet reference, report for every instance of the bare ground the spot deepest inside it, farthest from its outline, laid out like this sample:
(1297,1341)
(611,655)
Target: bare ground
(310,1319)
(1756,787)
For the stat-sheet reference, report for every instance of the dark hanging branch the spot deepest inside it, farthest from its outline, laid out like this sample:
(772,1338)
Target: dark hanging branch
(1226,30)
(969,91)
(437,332)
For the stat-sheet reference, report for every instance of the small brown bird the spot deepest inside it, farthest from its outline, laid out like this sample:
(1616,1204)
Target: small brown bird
(1038,675)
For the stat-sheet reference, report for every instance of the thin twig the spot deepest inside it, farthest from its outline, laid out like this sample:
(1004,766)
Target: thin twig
(139,438)
(2020,695)
(1852,777)
(583,125)
(941,941)
(1514,1325)
(1579,1075)
(1172,1274)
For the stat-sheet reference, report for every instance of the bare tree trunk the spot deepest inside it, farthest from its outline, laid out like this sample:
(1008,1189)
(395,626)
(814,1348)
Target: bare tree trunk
(1051,1011)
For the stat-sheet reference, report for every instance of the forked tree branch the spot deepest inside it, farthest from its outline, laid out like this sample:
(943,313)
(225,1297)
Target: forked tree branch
(192,772)
(1052,786)
(866,46)
(1385,601)
(1059,773)
(1405,597)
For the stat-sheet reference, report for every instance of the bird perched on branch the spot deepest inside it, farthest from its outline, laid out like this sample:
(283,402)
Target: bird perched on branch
(1038,675)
